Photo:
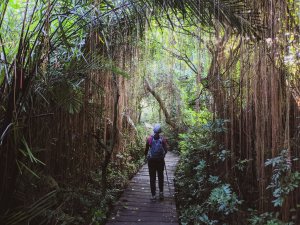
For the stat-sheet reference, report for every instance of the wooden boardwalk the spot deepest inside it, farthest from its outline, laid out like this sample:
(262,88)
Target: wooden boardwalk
(135,207)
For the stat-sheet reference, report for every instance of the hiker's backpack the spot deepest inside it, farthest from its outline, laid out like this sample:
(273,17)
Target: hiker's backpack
(156,148)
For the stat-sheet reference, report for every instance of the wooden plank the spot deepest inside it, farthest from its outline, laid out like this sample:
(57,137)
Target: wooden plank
(133,201)
(145,209)
(144,195)
(148,204)
(141,223)
(135,207)
(144,212)
(148,218)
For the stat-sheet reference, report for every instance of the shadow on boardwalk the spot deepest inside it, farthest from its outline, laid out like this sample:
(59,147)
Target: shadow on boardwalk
(135,207)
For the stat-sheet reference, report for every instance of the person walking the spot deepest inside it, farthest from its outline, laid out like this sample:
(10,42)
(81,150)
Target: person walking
(155,151)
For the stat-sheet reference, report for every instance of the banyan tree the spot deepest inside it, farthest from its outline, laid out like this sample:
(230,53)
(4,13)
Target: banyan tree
(75,76)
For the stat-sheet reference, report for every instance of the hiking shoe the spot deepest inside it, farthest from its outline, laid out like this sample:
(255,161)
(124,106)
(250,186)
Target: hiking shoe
(161,195)
(153,198)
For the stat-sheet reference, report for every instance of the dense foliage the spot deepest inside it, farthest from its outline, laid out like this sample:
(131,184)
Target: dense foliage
(82,82)
(206,194)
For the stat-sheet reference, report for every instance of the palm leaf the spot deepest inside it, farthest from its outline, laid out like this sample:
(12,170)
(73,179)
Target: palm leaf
(33,211)
(67,95)
(29,153)
(235,13)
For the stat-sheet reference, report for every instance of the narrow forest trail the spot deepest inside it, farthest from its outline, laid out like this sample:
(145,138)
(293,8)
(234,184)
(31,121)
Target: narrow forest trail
(135,207)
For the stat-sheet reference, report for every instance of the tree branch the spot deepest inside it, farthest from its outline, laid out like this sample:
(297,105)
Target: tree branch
(161,104)
(184,58)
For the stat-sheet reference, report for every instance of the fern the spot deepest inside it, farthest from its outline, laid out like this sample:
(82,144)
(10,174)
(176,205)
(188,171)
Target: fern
(224,199)
(283,180)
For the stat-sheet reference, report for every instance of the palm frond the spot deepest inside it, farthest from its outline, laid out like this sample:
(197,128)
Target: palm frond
(234,13)
(34,210)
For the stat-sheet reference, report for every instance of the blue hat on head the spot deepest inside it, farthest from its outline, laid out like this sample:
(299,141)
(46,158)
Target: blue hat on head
(157,128)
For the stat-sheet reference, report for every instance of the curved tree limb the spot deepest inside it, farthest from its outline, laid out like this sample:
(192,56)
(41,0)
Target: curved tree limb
(169,119)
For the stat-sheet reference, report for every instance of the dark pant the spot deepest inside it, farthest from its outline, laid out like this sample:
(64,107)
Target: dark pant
(156,166)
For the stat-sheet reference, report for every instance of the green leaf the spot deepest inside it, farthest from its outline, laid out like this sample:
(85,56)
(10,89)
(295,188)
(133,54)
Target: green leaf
(15,4)
(21,165)
(68,96)
(30,154)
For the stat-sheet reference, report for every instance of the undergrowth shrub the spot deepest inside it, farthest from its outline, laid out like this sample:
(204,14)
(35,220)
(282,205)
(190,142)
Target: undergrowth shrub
(119,172)
(207,195)
(283,180)
(267,218)
(80,203)
(87,205)
(203,194)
